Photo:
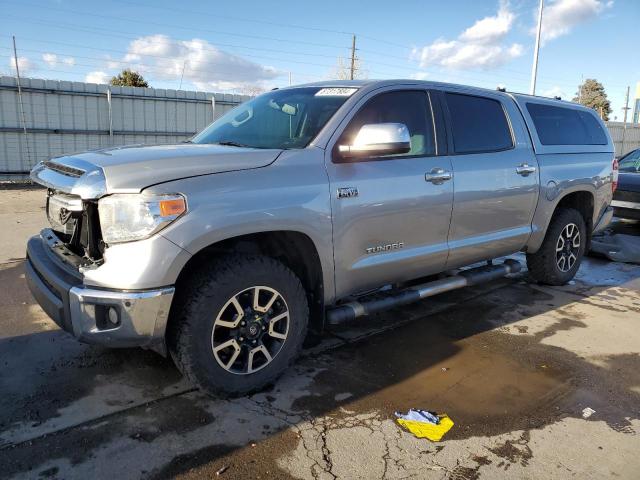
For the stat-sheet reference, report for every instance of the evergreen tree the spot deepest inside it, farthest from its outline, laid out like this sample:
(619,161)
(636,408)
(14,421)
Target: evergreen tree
(591,94)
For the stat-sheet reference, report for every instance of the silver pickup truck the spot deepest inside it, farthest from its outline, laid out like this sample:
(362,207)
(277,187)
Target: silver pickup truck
(310,205)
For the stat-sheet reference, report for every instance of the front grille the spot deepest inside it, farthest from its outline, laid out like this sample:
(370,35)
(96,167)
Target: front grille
(626,196)
(77,224)
(63,169)
(63,211)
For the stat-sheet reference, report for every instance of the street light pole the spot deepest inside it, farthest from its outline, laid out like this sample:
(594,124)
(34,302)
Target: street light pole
(24,122)
(534,69)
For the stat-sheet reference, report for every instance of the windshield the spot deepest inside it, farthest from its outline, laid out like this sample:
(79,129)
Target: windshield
(630,162)
(281,119)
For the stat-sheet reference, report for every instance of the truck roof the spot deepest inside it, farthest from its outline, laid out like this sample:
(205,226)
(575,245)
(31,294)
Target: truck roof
(377,83)
(520,99)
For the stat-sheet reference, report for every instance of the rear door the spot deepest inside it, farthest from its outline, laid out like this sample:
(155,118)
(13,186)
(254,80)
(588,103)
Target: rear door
(392,223)
(495,176)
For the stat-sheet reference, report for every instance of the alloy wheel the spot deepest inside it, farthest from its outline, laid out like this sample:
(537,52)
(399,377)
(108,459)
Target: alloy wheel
(250,330)
(568,247)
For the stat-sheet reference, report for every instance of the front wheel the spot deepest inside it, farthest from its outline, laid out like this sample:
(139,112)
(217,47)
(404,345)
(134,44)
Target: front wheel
(559,257)
(238,324)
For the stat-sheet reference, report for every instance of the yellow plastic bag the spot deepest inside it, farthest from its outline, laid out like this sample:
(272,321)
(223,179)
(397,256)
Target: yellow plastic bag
(428,430)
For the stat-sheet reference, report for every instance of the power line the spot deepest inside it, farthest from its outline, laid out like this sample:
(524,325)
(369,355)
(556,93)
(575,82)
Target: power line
(153,67)
(128,62)
(489,79)
(137,21)
(239,19)
(178,43)
(74,72)
(280,24)
(462,75)
(134,36)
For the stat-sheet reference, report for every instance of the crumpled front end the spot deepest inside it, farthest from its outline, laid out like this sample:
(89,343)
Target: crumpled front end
(117,296)
(73,190)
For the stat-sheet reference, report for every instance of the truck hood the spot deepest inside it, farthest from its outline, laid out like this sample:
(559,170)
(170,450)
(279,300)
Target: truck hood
(130,169)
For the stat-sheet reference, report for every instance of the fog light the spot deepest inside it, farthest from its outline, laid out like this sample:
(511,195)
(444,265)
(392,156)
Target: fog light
(112,315)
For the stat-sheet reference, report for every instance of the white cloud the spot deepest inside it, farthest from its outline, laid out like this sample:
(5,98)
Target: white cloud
(97,77)
(559,17)
(554,91)
(479,46)
(53,60)
(490,29)
(50,59)
(419,76)
(25,64)
(206,66)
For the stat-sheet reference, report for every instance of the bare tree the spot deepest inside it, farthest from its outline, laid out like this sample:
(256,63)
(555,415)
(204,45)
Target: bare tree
(342,69)
(252,90)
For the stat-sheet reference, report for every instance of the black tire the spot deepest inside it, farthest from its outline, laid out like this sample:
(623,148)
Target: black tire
(200,301)
(545,265)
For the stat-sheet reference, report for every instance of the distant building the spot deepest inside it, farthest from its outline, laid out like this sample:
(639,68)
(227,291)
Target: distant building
(636,105)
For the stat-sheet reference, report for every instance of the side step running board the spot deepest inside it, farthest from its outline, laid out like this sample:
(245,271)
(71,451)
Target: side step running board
(466,278)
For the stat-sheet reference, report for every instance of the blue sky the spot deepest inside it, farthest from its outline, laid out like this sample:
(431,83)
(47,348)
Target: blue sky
(238,46)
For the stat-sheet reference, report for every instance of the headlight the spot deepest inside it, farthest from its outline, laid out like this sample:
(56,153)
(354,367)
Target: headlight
(127,217)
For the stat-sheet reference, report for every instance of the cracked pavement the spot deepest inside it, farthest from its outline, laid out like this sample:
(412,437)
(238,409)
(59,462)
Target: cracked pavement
(512,363)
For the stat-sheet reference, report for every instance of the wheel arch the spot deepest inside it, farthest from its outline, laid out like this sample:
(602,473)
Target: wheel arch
(294,249)
(579,198)
(583,201)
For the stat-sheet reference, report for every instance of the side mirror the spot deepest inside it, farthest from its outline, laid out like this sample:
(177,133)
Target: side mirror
(378,139)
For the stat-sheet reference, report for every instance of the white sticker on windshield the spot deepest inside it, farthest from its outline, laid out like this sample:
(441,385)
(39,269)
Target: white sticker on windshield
(335,92)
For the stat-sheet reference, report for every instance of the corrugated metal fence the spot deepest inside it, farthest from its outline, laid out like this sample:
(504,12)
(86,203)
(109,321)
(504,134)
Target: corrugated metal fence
(64,117)
(626,137)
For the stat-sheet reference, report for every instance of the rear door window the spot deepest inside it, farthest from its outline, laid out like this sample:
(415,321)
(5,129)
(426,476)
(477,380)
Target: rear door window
(478,124)
(566,126)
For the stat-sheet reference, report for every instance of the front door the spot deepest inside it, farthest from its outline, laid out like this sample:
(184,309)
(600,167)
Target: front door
(390,214)
(496,177)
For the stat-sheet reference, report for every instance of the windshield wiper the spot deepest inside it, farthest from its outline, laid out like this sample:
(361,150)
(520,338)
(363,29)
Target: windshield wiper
(230,143)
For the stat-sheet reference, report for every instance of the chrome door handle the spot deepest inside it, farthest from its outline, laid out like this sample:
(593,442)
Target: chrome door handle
(437,176)
(525,170)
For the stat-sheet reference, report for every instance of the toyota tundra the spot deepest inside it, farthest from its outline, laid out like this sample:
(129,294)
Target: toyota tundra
(310,205)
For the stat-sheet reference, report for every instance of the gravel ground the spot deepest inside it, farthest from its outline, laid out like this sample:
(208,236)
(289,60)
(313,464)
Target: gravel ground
(512,363)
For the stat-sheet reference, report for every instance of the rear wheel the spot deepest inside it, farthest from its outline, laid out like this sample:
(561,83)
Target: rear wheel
(240,324)
(559,257)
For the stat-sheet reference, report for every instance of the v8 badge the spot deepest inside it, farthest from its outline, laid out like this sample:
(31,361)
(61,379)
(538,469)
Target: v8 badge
(347,192)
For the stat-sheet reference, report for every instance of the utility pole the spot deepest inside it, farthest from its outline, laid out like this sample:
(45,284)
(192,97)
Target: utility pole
(24,122)
(289,78)
(353,57)
(110,115)
(626,106)
(624,127)
(184,65)
(534,69)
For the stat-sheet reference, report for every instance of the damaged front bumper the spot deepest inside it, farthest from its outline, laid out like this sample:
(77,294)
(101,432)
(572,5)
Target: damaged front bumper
(114,318)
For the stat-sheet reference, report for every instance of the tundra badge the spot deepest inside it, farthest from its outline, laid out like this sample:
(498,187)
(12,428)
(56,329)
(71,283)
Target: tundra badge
(385,248)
